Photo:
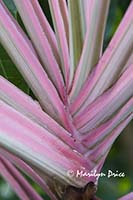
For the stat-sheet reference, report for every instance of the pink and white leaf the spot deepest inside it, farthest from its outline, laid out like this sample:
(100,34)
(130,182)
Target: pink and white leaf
(77,29)
(99,151)
(34,144)
(17,181)
(27,11)
(94,137)
(64,12)
(93,43)
(109,66)
(61,35)
(30,67)
(127,197)
(27,170)
(30,108)
(107,104)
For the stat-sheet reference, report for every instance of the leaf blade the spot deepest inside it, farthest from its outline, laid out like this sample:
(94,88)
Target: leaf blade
(105,72)
(40,40)
(61,36)
(30,67)
(97,14)
(17,181)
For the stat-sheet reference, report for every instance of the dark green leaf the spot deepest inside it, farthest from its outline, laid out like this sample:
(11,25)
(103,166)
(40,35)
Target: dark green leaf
(10,5)
(10,72)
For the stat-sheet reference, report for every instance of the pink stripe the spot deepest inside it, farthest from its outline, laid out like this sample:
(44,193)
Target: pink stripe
(95,136)
(61,37)
(34,73)
(46,28)
(101,66)
(16,180)
(24,104)
(33,138)
(105,105)
(41,43)
(28,170)
(93,43)
(100,150)
(127,197)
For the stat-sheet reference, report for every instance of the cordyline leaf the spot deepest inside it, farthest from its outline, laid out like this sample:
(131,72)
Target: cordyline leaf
(64,13)
(107,104)
(86,5)
(61,35)
(24,104)
(28,171)
(18,27)
(34,144)
(17,181)
(77,28)
(92,138)
(97,153)
(32,136)
(109,66)
(100,140)
(28,64)
(127,197)
(128,63)
(40,41)
(47,29)
(92,47)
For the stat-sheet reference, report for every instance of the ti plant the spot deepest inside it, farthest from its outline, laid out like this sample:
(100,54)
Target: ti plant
(83,96)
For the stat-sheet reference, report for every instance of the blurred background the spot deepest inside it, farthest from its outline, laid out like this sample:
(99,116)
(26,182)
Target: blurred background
(121,155)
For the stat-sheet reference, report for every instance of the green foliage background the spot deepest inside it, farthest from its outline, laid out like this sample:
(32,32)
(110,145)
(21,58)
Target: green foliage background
(120,157)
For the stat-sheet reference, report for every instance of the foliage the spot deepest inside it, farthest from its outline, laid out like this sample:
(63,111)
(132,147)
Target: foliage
(12,74)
